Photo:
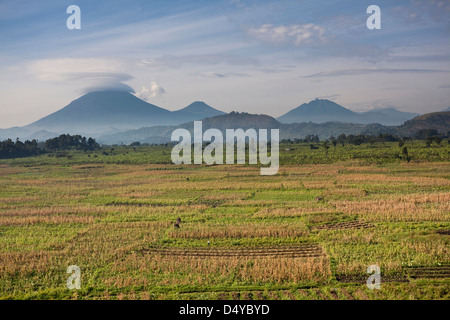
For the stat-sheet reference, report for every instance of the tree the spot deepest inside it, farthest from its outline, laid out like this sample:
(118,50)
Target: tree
(66,142)
(341,139)
(426,133)
(92,145)
(405,154)
(10,149)
(437,139)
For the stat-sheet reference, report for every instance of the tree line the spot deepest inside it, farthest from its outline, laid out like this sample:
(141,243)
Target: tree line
(355,139)
(429,135)
(11,149)
(16,149)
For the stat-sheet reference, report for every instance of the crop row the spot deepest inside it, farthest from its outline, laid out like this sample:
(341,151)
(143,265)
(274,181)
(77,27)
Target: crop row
(310,250)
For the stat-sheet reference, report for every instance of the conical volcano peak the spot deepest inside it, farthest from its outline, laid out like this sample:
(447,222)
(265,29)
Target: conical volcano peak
(198,106)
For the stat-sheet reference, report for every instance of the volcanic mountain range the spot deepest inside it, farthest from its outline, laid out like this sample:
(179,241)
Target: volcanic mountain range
(116,117)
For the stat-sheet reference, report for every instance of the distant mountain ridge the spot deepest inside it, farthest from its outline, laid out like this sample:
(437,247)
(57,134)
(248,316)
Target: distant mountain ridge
(103,112)
(119,117)
(234,120)
(322,110)
(317,111)
(162,134)
(199,108)
(439,121)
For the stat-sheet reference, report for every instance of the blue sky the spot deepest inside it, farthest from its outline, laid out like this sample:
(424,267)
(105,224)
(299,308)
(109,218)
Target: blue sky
(236,55)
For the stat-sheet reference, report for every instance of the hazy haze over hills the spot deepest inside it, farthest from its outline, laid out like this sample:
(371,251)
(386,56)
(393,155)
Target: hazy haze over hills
(196,111)
(162,134)
(117,117)
(439,121)
(106,112)
(322,110)
(97,112)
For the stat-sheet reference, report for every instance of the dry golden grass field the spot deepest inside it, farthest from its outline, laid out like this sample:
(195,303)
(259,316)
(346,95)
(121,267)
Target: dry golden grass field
(309,232)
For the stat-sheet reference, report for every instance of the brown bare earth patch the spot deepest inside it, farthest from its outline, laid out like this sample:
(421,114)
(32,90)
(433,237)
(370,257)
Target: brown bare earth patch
(429,272)
(343,225)
(83,167)
(138,204)
(288,294)
(445,232)
(308,250)
(363,278)
(243,230)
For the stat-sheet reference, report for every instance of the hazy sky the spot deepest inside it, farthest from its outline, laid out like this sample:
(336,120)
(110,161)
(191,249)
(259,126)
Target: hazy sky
(236,55)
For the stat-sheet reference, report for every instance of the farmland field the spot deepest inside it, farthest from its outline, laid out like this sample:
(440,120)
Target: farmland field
(309,232)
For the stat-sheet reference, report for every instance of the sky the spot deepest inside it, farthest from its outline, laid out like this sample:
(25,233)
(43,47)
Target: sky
(256,56)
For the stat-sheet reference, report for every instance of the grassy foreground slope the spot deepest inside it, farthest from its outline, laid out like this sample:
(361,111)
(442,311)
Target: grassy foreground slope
(309,232)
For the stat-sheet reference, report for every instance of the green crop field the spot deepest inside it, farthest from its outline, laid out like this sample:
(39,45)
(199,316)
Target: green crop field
(309,232)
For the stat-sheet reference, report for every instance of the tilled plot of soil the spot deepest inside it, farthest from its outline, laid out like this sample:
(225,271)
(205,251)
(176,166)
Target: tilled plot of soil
(307,250)
(429,272)
(356,224)
(299,294)
(363,278)
(444,232)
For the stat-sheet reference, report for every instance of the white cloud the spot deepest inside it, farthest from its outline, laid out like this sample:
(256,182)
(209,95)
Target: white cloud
(305,34)
(364,71)
(178,61)
(421,11)
(153,91)
(222,75)
(332,97)
(67,69)
(90,73)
